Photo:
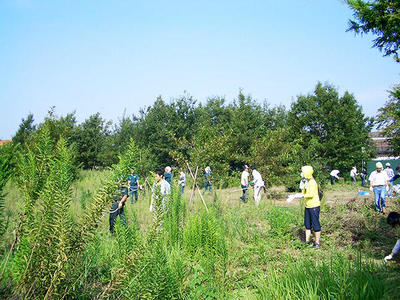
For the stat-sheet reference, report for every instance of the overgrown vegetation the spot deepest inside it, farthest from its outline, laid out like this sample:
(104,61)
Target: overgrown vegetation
(233,250)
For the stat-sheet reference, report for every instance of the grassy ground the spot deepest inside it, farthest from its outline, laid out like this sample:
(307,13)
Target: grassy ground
(266,257)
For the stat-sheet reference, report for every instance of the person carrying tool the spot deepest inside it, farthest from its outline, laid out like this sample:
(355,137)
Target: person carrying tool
(117,205)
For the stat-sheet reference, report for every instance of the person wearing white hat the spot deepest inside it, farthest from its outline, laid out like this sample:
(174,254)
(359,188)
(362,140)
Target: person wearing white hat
(390,173)
(353,175)
(258,185)
(379,184)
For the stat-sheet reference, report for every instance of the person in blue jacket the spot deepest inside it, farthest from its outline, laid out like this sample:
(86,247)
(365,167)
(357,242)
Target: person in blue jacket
(133,183)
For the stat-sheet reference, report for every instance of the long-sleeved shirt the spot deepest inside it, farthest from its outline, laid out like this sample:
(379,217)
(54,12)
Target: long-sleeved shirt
(311,197)
(396,247)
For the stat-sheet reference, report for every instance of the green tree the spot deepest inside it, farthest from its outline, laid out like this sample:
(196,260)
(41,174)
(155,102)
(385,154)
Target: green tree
(388,119)
(382,18)
(279,159)
(337,124)
(162,127)
(26,128)
(89,140)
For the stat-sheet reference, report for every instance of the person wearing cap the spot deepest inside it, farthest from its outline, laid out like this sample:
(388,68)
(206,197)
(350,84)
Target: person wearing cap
(353,175)
(379,184)
(244,182)
(168,174)
(133,183)
(390,173)
(309,189)
(258,185)
(117,205)
(333,175)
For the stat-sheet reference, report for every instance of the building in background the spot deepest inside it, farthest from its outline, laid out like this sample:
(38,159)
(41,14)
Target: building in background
(2,142)
(382,144)
(385,153)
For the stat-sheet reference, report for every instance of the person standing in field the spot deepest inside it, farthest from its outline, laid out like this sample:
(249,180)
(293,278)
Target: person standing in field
(182,181)
(258,185)
(160,192)
(309,189)
(379,184)
(133,183)
(390,173)
(208,179)
(353,175)
(168,175)
(333,175)
(393,219)
(117,205)
(244,182)
(363,176)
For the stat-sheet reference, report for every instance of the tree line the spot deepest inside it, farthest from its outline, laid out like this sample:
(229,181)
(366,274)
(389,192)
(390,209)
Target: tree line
(322,128)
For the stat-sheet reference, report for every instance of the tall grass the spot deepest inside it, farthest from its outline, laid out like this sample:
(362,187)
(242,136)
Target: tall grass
(337,278)
(233,251)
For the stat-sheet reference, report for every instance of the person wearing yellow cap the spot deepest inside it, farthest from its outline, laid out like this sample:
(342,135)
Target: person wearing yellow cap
(309,189)
(379,184)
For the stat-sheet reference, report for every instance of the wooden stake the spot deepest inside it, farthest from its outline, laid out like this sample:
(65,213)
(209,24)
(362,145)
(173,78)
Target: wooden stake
(195,185)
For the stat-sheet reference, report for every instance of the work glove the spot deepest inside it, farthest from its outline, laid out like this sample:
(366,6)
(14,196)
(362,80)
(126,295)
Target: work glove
(389,257)
(371,188)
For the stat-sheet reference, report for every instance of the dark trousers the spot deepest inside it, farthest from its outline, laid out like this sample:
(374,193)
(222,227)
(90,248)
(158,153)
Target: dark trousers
(114,213)
(244,190)
(332,180)
(133,193)
(311,218)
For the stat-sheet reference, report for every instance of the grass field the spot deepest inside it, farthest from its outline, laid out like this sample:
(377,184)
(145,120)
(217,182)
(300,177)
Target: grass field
(235,251)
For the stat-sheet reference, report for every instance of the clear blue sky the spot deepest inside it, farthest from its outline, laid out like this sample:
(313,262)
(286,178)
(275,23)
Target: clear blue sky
(107,56)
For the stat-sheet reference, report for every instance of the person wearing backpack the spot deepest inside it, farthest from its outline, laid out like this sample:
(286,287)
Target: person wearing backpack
(311,191)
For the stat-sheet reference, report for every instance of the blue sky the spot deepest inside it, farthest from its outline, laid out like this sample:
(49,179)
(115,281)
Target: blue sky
(110,56)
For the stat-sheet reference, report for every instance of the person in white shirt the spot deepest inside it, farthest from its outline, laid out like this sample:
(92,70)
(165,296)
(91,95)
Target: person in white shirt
(182,181)
(390,173)
(244,182)
(353,175)
(258,185)
(334,174)
(379,184)
(160,191)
